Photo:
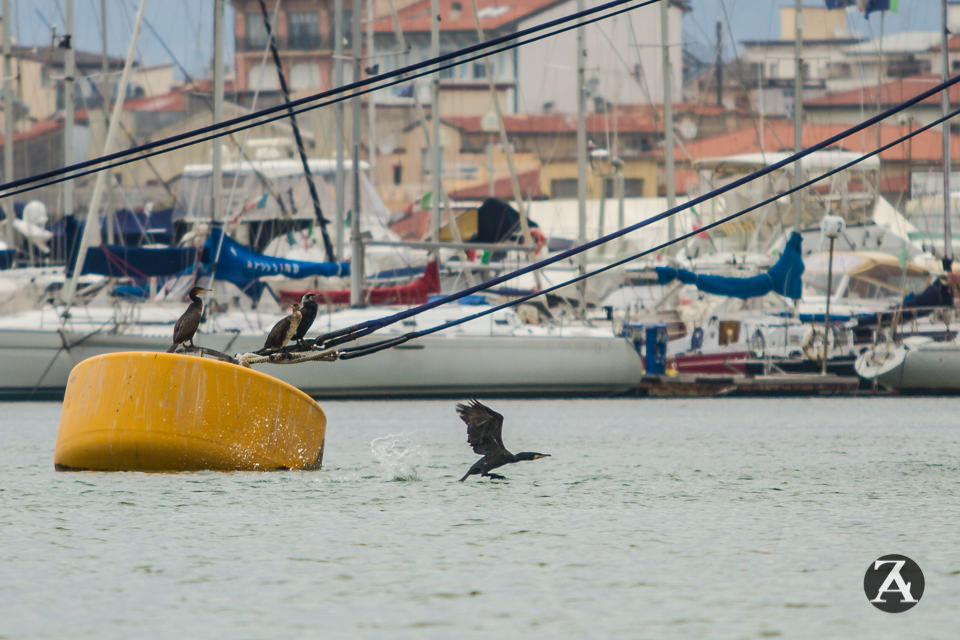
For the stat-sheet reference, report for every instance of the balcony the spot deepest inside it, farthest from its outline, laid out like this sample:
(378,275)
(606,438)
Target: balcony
(304,41)
(295,42)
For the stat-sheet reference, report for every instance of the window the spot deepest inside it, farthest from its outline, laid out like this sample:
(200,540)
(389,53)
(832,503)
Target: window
(397,174)
(256,31)
(449,72)
(347,28)
(632,188)
(263,76)
(303,29)
(305,75)
(479,70)
(563,188)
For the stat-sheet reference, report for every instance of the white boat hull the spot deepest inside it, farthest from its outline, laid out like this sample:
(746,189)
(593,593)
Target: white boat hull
(37,364)
(919,365)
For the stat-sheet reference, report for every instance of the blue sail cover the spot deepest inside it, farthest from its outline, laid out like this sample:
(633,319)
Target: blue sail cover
(138,262)
(242,266)
(782,278)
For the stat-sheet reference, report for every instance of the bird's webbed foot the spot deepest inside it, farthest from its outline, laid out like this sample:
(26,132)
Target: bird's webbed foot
(495,476)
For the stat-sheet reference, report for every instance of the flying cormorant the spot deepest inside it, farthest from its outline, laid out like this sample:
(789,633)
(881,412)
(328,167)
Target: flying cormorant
(187,324)
(282,331)
(483,434)
(308,312)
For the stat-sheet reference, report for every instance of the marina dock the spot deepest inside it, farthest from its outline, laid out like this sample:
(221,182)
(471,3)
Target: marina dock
(778,384)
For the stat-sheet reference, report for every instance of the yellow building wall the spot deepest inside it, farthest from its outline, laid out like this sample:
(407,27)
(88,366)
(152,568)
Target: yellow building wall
(644,169)
(819,23)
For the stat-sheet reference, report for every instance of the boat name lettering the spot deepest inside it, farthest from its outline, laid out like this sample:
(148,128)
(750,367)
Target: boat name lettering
(268,267)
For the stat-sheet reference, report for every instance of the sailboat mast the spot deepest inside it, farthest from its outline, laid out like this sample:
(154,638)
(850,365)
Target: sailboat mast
(371,103)
(8,118)
(581,161)
(435,150)
(91,224)
(947,164)
(356,246)
(668,115)
(504,144)
(797,108)
(105,95)
(217,160)
(339,115)
(69,82)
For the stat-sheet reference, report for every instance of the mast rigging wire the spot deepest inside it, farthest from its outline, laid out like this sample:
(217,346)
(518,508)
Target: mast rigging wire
(301,152)
(301,105)
(362,350)
(365,328)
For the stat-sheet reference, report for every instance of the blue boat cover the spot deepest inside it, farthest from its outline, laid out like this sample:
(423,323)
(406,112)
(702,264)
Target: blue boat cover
(138,262)
(243,266)
(783,277)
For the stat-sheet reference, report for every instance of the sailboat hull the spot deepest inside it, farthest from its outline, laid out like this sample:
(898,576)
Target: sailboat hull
(39,364)
(921,365)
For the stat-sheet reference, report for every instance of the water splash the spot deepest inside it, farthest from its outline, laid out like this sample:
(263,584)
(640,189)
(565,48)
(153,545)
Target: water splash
(399,458)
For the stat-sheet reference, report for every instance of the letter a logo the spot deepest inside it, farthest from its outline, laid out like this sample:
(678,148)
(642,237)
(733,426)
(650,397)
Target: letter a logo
(893,583)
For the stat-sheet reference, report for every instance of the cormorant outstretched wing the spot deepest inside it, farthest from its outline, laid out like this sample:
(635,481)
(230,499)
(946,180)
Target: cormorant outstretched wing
(484,426)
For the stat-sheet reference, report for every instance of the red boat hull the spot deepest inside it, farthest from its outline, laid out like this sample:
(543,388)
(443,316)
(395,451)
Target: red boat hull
(412,293)
(726,362)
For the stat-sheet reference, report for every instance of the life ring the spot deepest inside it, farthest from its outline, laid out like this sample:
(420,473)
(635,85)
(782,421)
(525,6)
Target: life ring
(813,341)
(757,344)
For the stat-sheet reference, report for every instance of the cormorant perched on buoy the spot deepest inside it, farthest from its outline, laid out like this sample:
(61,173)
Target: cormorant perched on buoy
(282,331)
(483,434)
(187,324)
(308,313)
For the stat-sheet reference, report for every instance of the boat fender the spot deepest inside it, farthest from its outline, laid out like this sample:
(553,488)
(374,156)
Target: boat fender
(538,238)
(757,344)
(941,315)
(812,342)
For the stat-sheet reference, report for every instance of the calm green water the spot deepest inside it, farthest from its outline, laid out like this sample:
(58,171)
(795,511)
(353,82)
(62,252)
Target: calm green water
(658,519)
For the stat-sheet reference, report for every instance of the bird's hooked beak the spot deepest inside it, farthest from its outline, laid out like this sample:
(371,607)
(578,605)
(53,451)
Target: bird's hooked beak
(541,455)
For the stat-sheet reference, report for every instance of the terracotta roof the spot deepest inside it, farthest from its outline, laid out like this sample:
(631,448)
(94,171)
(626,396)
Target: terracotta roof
(55,56)
(172,101)
(679,108)
(953,44)
(494,14)
(558,123)
(39,128)
(684,181)
(502,188)
(891,93)
(778,135)
(205,85)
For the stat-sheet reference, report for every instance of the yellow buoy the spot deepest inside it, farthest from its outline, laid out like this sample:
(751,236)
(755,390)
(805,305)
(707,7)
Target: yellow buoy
(146,411)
